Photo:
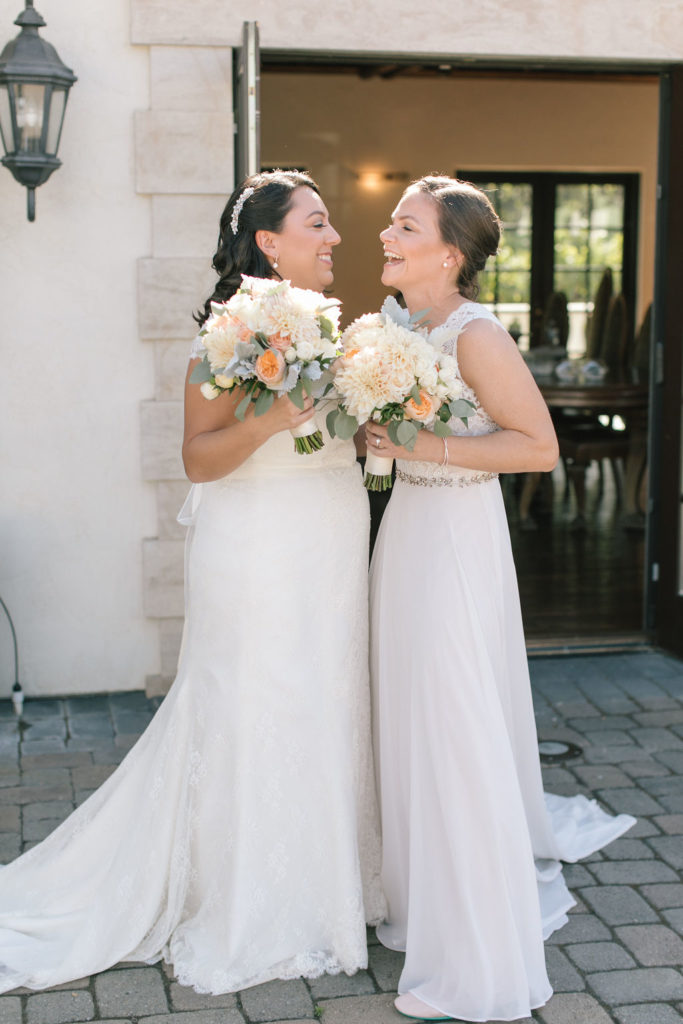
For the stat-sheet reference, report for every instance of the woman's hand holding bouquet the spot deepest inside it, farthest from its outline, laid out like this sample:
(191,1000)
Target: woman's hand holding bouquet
(271,339)
(388,372)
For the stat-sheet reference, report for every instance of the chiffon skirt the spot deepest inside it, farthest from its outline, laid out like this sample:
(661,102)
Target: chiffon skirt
(239,838)
(472,849)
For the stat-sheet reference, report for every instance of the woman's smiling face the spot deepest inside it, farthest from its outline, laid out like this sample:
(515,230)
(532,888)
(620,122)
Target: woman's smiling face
(304,245)
(414,250)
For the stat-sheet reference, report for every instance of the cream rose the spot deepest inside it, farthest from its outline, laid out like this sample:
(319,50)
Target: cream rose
(305,351)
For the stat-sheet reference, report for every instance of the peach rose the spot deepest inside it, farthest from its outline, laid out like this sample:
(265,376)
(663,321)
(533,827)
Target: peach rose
(279,342)
(425,411)
(270,368)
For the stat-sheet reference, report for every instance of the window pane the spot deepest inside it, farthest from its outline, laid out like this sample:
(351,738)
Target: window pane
(487,288)
(29,99)
(572,209)
(589,236)
(506,283)
(513,286)
(515,250)
(607,202)
(606,248)
(574,284)
(571,249)
(56,114)
(513,205)
(6,120)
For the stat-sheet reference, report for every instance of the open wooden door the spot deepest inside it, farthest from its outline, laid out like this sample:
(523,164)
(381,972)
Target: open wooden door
(665,531)
(248,108)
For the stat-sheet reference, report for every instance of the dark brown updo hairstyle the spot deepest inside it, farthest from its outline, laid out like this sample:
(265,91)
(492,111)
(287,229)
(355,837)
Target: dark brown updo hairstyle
(264,209)
(468,221)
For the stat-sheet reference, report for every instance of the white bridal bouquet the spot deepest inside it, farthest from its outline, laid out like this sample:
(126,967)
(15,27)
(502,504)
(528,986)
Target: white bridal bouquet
(271,339)
(390,373)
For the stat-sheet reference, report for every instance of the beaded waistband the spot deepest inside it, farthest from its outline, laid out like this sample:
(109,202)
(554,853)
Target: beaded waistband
(444,481)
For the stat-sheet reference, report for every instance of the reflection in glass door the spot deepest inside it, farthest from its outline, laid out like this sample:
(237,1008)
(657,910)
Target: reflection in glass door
(560,233)
(506,282)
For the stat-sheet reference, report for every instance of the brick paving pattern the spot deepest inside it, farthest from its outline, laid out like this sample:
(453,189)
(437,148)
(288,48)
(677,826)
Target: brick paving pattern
(619,959)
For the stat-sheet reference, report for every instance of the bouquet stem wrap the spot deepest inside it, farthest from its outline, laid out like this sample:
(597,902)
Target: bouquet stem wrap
(307,438)
(378,472)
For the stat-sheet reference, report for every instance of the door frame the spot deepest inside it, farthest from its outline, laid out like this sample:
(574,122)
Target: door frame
(662,602)
(664,586)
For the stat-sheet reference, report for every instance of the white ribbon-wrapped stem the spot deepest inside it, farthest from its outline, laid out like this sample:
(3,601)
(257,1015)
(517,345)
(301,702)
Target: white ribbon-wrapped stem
(378,472)
(308,437)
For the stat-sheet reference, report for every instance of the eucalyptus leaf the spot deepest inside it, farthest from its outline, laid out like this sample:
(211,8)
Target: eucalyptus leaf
(416,317)
(241,410)
(244,349)
(264,402)
(406,433)
(297,394)
(326,328)
(461,408)
(441,429)
(392,430)
(345,425)
(201,373)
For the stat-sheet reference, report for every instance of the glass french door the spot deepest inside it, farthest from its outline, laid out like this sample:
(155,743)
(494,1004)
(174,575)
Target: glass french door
(665,523)
(560,232)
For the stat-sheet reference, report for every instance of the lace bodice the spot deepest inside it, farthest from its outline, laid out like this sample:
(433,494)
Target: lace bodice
(445,338)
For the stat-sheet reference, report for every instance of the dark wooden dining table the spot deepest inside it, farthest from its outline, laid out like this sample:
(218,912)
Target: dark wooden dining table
(611,396)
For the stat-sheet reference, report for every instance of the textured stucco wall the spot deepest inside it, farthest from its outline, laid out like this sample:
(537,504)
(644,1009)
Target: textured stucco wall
(73,505)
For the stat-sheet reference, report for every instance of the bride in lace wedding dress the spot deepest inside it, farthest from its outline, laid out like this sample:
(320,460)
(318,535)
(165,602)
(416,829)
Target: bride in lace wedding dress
(472,850)
(238,840)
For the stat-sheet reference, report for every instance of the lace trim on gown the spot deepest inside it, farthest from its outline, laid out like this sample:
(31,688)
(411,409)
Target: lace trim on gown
(431,474)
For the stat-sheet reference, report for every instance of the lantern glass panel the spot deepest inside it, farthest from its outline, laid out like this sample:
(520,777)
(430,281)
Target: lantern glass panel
(6,120)
(54,128)
(29,99)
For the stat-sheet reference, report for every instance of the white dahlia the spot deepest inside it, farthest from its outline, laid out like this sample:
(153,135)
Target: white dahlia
(366,330)
(222,334)
(364,383)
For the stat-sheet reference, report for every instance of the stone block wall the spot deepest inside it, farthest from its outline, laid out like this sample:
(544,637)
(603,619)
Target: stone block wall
(184,161)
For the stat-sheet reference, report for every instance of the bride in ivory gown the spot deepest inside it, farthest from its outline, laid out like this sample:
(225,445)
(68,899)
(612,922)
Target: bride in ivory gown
(472,851)
(238,840)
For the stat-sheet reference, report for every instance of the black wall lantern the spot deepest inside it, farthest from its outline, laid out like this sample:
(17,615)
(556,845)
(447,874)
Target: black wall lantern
(34,85)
